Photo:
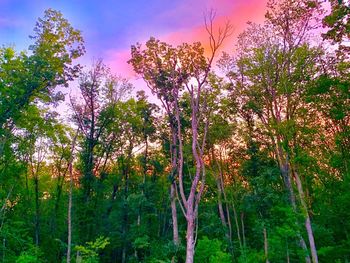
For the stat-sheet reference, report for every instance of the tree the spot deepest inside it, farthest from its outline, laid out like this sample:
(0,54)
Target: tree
(272,70)
(26,78)
(167,72)
(101,91)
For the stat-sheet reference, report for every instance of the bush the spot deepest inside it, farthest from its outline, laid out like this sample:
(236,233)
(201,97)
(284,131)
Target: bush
(211,251)
(32,255)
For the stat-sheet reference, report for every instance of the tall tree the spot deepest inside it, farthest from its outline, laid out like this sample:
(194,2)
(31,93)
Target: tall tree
(28,77)
(273,68)
(100,91)
(168,71)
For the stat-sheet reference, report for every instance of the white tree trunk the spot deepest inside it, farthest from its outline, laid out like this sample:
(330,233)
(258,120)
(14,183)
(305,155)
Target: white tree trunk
(174,215)
(307,219)
(190,239)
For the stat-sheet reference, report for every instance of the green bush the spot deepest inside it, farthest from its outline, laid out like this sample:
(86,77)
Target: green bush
(89,252)
(211,251)
(32,255)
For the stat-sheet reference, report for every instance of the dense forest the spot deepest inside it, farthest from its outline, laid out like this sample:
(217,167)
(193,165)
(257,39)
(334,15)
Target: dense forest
(244,157)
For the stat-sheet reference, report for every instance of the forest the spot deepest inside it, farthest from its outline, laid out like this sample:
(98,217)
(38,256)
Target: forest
(239,156)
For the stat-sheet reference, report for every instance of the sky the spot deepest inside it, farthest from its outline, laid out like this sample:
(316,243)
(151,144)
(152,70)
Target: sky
(110,27)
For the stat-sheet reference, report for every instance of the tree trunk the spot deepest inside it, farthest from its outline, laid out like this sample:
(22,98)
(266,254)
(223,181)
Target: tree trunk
(174,214)
(190,236)
(225,199)
(237,227)
(145,169)
(243,230)
(221,210)
(311,239)
(37,210)
(192,203)
(226,220)
(285,172)
(70,198)
(124,254)
(125,214)
(174,168)
(219,188)
(59,187)
(70,201)
(266,246)
(126,172)
(307,219)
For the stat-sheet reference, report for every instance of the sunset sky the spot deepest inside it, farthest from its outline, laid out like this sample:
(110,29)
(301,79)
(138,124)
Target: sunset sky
(110,26)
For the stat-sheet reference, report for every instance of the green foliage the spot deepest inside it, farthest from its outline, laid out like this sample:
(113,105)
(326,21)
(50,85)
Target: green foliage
(141,242)
(34,77)
(252,256)
(32,255)
(89,252)
(337,21)
(211,251)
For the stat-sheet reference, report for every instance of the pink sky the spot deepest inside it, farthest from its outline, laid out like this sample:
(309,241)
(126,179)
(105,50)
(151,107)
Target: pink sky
(110,27)
(238,14)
